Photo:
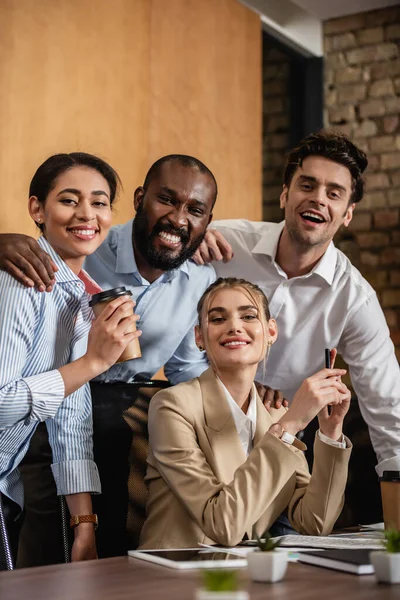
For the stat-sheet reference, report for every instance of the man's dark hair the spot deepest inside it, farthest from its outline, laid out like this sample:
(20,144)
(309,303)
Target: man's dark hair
(336,147)
(185,161)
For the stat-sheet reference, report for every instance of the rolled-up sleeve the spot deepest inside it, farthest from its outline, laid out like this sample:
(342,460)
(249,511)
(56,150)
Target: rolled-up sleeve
(71,440)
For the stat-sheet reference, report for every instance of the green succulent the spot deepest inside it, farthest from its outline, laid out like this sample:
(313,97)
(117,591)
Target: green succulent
(220,580)
(392,540)
(267,544)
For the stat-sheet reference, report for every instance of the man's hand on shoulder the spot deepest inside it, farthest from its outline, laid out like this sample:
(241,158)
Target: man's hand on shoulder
(213,247)
(271,398)
(22,257)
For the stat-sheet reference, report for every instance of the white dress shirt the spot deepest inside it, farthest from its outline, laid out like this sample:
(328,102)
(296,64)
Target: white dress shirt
(245,422)
(333,306)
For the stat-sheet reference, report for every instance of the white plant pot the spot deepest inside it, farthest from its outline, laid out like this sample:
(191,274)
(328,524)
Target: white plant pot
(386,565)
(205,595)
(267,566)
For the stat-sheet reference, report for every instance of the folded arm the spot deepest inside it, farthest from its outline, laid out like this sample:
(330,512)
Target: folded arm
(317,501)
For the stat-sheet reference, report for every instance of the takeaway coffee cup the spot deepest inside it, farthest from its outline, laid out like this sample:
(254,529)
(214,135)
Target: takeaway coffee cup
(98,304)
(390,490)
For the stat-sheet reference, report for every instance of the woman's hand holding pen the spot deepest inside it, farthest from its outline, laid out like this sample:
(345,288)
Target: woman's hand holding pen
(313,397)
(331,418)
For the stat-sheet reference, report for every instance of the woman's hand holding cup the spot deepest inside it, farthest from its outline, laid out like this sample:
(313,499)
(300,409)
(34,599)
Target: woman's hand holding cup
(111,332)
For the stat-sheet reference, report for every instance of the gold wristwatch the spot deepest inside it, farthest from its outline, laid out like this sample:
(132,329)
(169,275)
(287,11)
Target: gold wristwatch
(77,519)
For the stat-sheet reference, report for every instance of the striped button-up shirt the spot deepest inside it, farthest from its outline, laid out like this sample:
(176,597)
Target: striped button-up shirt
(39,333)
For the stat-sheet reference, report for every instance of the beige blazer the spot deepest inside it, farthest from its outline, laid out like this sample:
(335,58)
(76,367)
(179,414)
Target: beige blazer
(203,489)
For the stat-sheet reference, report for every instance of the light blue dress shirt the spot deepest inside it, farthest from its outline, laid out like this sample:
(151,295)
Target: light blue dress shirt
(38,334)
(167,309)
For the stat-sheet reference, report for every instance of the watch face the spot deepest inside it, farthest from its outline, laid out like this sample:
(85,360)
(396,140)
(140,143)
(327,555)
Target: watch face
(287,437)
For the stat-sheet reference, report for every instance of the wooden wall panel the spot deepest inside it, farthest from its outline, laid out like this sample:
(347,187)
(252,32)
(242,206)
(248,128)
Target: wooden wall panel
(206,94)
(130,80)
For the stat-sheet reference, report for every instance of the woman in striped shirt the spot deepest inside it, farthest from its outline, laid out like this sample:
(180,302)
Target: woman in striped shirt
(47,353)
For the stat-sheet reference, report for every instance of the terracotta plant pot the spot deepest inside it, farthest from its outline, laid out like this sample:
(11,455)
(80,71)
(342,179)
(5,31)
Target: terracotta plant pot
(386,565)
(267,566)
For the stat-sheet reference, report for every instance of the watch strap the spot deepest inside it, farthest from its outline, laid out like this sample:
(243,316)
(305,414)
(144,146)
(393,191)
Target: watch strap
(288,438)
(77,519)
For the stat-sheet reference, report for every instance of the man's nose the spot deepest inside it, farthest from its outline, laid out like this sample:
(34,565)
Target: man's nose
(177,217)
(319,196)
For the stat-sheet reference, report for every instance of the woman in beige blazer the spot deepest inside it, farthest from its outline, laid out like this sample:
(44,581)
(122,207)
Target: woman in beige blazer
(220,465)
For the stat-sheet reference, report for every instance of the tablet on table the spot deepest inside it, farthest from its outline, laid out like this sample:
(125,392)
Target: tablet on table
(192,558)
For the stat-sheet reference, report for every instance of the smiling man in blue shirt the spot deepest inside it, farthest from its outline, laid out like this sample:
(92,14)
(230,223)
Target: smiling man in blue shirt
(150,256)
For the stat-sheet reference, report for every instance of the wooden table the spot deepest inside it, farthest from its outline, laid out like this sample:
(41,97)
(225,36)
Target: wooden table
(131,579)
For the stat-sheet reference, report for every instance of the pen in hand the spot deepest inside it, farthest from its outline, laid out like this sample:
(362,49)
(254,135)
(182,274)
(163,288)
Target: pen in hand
(328,366)
(327,358)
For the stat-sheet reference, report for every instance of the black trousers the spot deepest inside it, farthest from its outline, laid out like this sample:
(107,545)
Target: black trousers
(112,440)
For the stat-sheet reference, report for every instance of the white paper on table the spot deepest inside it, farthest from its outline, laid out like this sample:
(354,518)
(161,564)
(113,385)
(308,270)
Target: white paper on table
(326,542)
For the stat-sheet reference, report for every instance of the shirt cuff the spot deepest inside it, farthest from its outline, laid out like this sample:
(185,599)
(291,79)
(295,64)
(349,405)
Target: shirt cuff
(330,442)
(76,476)
(47,393)
(389,464)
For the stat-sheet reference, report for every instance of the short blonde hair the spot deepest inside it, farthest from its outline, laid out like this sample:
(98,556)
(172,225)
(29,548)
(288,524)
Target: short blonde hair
(255,294)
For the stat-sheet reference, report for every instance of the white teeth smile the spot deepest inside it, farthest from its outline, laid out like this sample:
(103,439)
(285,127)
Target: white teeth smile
(313,216)
(174,239)
(235,344)
(83,231)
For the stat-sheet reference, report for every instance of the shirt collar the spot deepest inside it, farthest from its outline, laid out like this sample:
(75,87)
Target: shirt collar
(64,273)
(325,267)
(126,262)
(239,416)
(268,244)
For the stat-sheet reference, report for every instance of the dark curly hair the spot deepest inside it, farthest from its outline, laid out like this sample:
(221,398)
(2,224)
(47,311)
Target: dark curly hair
(336,147)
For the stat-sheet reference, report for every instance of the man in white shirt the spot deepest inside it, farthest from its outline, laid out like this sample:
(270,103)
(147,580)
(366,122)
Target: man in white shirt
(319,299)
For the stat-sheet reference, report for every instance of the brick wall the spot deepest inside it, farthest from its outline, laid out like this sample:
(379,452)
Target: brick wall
(275,127)
(362,99)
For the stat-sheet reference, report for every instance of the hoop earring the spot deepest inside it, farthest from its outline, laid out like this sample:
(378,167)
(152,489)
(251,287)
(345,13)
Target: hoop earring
(200,347)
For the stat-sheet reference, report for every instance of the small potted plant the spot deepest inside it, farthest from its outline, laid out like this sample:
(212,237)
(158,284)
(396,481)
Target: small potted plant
(220,584)
(387,562)
(264,563)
